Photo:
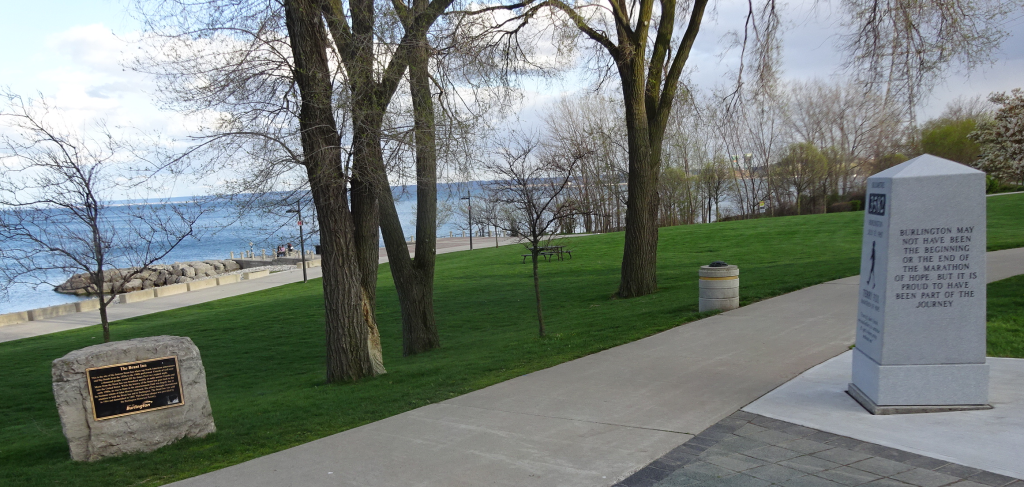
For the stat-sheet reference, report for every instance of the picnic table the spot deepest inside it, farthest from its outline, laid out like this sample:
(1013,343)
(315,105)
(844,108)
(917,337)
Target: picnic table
(551,251)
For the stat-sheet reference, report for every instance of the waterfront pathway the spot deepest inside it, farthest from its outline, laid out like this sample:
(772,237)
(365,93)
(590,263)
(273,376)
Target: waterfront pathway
(124,311)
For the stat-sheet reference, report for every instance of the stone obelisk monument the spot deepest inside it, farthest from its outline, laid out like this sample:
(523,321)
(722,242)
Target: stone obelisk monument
(921,313)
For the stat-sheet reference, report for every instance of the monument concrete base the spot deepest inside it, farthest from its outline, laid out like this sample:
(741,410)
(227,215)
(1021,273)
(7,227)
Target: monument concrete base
(918,388)
(873,408)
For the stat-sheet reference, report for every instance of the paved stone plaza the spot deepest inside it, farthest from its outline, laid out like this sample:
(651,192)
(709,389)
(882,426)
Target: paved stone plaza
(749,450)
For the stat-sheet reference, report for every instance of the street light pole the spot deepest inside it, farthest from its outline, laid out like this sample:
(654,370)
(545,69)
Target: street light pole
(469,199)
(302,243)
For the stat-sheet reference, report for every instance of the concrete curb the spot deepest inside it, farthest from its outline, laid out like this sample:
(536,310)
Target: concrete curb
(248,276)
(171,290)
(38,314)
(136,296)
(51,311)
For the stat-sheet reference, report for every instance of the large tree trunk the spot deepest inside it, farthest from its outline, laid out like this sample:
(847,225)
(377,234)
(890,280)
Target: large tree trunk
(419,328)
(414,278)
(640,250)
(353,345)
(366,158)
(367,117)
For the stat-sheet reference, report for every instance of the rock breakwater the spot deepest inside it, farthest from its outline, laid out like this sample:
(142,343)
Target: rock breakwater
(148,278)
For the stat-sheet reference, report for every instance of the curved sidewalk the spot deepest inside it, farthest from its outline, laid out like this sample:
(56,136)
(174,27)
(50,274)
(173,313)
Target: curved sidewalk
(592,421)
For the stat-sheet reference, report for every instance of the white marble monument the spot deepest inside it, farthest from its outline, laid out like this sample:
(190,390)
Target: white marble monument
(921,313)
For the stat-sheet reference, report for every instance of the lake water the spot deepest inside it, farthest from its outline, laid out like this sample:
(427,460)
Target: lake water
(223,231)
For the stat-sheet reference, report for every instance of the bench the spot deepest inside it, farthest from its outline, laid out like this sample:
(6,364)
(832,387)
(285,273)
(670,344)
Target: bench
(546,255)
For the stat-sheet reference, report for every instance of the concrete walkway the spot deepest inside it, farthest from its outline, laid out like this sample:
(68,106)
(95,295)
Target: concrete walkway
(595,420)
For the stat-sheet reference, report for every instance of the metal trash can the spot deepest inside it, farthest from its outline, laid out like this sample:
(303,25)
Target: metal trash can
(719,287)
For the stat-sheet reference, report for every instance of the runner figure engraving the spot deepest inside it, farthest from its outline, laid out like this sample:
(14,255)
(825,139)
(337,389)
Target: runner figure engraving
(871,274)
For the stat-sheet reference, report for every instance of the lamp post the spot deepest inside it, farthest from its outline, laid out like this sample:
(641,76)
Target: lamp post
(469,199)
(302,243)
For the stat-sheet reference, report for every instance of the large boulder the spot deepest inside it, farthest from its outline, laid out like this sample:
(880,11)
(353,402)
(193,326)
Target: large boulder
(217,265)
(203,269)
(127,420)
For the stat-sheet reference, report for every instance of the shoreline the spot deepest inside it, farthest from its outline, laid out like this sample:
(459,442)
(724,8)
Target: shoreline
(29,298)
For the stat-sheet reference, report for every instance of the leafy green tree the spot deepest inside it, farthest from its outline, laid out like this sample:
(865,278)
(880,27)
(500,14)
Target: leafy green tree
(947,138)
(803,168)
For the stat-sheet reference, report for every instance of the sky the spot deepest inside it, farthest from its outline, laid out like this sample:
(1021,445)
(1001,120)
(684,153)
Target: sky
(71,52)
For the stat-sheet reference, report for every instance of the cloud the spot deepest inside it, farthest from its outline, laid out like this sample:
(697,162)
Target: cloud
(93,47)
(111,90)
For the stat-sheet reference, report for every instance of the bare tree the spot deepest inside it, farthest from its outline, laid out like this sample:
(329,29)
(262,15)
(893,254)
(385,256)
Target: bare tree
(592,125)
(977,108)
(852,123)
(715,182)
(641,44)
(903,47)
(55,205)
(369,47)
(902,44)
(532,188)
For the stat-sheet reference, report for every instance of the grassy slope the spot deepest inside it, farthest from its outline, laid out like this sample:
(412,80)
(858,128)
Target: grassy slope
(1006,297)
(264,355)
(1006,318)
(1005,213)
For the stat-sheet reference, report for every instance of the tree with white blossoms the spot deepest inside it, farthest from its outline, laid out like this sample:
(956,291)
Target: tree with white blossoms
(1002,138)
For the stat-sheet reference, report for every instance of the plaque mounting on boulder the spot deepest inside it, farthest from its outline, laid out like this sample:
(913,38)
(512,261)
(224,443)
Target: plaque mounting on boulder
(921,312)
(134,387)
(130,396)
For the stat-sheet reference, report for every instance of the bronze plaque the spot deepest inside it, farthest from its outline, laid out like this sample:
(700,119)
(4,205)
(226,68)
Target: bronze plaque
(135,387)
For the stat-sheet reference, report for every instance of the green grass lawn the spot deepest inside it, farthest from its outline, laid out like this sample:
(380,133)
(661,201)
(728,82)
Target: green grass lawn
(1004,218)
(1006,318)
(264,352)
